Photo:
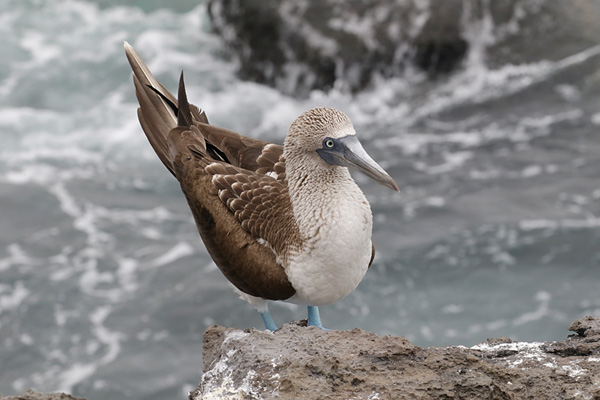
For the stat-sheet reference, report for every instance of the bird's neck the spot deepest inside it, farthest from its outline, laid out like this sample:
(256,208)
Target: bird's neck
(324,196)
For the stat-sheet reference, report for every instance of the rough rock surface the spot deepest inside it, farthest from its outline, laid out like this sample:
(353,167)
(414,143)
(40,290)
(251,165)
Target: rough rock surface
(296,362)
(300,45)
(33,395)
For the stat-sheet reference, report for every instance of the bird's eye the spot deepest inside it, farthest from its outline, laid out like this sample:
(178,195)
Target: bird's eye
(329,143)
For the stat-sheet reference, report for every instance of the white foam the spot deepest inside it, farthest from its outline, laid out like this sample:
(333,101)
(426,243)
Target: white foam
(75,373)
(16,255)
(18,294)
(41,50)
(595,119)
(452,309)
(13,118)
(80,371)
(126,274)
(180,250)
(543,298)
(528,225)
(531,171)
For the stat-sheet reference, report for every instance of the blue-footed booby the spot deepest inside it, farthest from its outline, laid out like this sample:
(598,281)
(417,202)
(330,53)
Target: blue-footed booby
(281,222)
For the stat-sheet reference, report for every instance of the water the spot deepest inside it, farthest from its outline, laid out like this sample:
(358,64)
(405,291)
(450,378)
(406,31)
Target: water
(105,288)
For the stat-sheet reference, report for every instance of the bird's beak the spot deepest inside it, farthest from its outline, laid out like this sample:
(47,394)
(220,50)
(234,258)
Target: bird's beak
(348,152)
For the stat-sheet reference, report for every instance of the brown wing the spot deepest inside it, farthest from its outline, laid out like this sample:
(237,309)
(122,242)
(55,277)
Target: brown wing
(193,151)
(244,260)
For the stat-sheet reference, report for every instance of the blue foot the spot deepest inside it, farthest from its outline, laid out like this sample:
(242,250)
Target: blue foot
(313,317)
(268,320)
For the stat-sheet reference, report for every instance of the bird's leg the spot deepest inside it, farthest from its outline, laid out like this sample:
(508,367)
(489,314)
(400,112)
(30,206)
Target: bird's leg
(268,320)
(313,317)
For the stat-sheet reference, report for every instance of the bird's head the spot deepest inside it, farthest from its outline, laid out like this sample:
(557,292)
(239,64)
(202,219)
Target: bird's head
(328,136)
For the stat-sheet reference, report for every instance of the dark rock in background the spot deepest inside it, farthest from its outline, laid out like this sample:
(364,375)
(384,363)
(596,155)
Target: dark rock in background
(301,45)
(298,362)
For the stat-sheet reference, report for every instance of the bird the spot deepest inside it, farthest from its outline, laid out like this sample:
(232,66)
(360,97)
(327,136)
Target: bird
(282,222)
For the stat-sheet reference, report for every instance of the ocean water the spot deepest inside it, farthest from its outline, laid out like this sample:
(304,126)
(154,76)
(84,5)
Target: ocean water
(105,286)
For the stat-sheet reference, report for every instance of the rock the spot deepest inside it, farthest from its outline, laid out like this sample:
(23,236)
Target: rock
(297,362)
(585,343)
(587,327)
(33,395)
(301,45)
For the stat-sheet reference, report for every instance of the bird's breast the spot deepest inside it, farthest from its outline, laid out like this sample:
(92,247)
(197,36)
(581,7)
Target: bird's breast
(335,256)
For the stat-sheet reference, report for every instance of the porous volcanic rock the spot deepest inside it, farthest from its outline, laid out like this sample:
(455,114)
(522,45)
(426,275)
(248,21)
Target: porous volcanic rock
(297,362)
(33,395)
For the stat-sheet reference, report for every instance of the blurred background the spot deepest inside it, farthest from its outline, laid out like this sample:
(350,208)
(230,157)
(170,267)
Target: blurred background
(486,114)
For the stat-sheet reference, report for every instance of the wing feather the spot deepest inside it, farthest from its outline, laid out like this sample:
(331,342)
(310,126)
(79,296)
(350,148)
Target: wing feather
(260,203)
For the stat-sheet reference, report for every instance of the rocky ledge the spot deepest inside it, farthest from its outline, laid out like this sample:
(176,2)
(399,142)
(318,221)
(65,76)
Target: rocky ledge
(33,395)
(296,362)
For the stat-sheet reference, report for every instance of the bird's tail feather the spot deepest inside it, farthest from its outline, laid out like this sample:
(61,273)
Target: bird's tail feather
(158,107)
(184,116)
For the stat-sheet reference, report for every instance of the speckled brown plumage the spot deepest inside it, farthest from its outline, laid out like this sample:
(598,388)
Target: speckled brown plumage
(260,203)
(246,262)
(243,215)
